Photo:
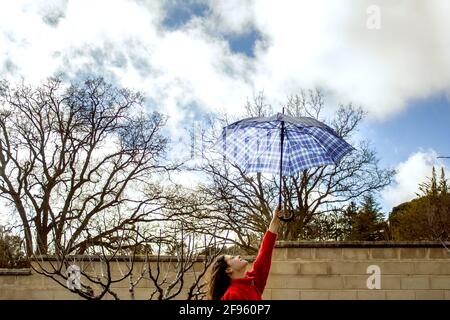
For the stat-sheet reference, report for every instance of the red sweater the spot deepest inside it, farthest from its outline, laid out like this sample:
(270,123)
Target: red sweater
(252,286)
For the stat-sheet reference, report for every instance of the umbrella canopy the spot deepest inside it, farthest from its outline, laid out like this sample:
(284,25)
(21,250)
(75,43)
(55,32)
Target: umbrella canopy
(281,144)
(261,144)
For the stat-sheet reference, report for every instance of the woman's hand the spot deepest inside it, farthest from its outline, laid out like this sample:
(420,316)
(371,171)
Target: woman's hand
(275,223)
(278,212)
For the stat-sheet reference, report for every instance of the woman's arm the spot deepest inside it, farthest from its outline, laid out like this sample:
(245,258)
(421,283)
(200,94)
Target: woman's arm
(261,266)
(275,223)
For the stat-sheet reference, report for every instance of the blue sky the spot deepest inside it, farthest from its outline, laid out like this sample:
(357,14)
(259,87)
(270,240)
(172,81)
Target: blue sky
(423,130)
(190,58)
(178,13)
(423,125)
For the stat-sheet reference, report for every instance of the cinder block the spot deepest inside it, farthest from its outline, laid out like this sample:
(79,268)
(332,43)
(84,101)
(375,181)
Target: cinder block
(122,294)
(447,295)
(396,267)
(314,295)
(8,280)
(414,282)
(33,294)
(300,253)
(49,295)
(328,282)
(439,253)
(384,253)
(390,282)
(188,277)
(279,254)
(413,253)
(145,283)
(432,267)
(32,281)
(328,253)
(311,268)
(164,267)
(440,282)
(281,282)
(120,285)
(400,295)
(285,294)
(141,294)
(285,267)
(371,294)
(347,267)
(355,254)
(62,294)
(275,282)
(15,294)
(300,283)
(49,283)
(430,295)
(117,269)
(355,282)
(343,295)
(267,294)
(199,267)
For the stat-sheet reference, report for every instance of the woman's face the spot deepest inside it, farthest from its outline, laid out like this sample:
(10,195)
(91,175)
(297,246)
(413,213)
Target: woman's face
(235,263)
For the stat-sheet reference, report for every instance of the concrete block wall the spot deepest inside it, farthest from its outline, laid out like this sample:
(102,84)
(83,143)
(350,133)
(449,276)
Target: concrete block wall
(407,270)
(25,284)
(300,270)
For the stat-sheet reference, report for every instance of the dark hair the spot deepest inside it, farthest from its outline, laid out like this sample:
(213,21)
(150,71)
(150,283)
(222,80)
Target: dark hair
(219,281)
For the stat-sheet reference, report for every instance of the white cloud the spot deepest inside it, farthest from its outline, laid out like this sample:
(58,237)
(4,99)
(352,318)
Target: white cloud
(303,44)
(232,15)
(410,173)
(328,44)
(124,40)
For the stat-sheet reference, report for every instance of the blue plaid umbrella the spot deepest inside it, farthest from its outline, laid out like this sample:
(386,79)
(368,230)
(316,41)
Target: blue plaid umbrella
(281,144)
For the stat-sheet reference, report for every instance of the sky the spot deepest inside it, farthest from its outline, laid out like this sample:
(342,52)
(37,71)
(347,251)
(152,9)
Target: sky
(190,58)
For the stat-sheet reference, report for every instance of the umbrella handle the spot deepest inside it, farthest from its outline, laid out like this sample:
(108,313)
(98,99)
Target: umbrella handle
(287,219)
(291,216)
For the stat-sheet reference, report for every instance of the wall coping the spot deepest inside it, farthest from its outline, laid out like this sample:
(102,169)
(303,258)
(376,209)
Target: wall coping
(15,272)
(361,244)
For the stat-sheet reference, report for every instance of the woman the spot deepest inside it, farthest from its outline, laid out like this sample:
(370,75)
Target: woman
(230,281)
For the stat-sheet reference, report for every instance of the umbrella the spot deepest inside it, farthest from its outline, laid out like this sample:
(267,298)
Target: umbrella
(281,144)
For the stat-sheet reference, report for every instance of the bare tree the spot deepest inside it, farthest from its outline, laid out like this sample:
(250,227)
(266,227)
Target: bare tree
(244,202)
(89,275)
(180,264)
(72,154)
(79,167)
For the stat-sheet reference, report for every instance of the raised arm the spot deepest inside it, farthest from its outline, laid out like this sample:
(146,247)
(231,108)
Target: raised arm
(261,266)
(275,223)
